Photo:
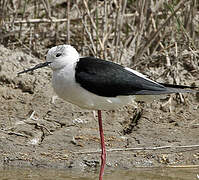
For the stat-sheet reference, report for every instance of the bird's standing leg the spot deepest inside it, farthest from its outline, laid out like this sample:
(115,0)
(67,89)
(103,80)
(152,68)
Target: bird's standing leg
(103,150)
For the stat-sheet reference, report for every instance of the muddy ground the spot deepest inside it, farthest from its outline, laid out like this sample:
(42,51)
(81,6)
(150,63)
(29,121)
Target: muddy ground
(39,130)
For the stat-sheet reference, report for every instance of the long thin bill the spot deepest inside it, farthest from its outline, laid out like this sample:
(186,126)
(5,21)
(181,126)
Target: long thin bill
(34,68)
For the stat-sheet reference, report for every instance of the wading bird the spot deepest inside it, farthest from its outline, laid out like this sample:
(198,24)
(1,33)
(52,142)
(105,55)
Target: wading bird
(97,84)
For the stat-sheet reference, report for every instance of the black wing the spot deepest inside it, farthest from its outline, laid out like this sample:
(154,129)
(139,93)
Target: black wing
(108,79)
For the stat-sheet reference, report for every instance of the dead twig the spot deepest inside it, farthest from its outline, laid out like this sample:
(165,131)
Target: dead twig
(13,133)
(43,20)
(68,22)
(184,166)
(140,149)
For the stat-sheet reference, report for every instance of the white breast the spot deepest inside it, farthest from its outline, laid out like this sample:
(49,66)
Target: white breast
(66,88)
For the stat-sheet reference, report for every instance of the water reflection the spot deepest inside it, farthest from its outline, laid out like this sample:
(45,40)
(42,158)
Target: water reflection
(135,174)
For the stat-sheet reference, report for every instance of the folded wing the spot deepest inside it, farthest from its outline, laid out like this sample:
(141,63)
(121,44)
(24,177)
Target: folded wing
(108,79)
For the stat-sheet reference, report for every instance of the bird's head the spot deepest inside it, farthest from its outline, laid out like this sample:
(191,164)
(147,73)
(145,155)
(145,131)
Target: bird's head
(57,58)
(60,56)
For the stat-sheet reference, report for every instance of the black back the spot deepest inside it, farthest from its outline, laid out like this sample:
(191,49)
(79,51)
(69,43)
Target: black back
(108,79)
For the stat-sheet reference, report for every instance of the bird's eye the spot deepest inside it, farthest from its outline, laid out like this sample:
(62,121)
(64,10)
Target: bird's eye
(58,54)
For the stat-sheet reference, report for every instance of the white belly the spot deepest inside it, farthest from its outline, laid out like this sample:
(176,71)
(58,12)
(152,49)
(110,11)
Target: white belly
(66,88)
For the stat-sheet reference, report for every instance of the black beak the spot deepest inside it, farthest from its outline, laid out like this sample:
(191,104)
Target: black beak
(36,67)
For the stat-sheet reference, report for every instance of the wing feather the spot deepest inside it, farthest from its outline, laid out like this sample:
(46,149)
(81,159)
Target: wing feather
(108,79)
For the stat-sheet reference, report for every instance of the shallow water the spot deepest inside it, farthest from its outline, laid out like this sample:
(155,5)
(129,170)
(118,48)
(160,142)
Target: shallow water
(135,174)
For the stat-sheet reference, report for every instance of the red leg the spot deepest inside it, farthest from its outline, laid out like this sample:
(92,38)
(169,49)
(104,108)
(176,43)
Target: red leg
(103,153)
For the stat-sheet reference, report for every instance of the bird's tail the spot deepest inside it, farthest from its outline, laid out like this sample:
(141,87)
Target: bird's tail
(172,88)
(148,96)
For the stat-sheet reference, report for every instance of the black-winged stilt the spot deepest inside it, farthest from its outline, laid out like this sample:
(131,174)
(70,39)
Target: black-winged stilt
(97,84)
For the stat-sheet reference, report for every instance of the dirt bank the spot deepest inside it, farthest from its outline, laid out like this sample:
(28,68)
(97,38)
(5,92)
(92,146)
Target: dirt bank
(40,130)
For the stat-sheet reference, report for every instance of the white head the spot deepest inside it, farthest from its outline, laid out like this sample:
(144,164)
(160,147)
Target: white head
(62,55)
(57,58)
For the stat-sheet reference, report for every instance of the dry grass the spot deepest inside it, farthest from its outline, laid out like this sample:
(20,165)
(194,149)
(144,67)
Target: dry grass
(138,33)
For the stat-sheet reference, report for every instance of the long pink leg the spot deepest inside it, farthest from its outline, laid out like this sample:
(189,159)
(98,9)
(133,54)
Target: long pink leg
(103,153)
